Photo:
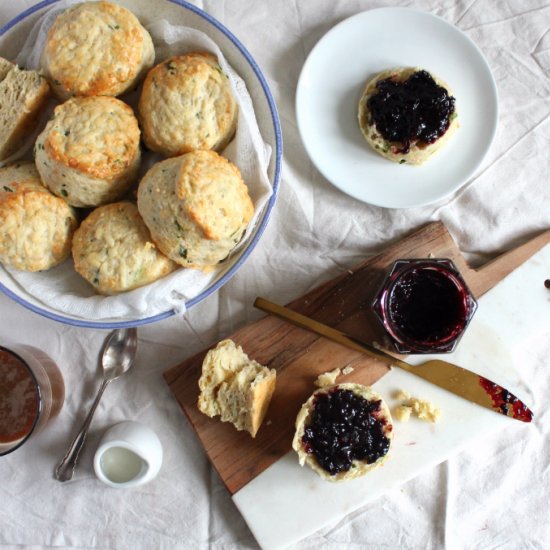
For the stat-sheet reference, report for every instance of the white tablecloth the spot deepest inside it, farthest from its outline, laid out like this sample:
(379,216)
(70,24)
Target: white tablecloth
(492,495)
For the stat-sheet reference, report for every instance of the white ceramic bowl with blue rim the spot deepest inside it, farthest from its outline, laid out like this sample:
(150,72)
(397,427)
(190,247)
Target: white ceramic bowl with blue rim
(12,37)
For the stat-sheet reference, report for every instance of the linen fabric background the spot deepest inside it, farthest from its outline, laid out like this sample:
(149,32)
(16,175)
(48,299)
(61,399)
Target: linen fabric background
(494,494)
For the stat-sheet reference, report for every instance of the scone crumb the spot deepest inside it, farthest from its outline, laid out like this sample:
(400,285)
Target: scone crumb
(327,378)
(402,413)
(421,408)
(402,395)
(425,410)
(348,369)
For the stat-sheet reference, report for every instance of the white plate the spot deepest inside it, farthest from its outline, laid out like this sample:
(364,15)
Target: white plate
(333,79)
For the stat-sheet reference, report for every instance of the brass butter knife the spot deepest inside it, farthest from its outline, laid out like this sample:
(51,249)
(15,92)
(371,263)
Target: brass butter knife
(453,378)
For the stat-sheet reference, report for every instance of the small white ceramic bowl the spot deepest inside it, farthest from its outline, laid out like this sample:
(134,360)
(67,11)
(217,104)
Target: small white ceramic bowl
(129,454)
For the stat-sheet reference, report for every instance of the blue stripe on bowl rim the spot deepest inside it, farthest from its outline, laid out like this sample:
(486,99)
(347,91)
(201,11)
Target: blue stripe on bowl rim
(268,208)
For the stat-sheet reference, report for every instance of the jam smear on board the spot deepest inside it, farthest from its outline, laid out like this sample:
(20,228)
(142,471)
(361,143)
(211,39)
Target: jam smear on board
(505,401)
(426,305)
(414,110)
(344,427)
(19,402)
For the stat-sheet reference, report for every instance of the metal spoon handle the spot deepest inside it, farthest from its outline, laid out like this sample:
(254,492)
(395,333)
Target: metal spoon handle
(65,469)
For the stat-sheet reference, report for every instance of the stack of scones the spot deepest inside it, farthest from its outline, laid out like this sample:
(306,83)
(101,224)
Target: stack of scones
(192,208)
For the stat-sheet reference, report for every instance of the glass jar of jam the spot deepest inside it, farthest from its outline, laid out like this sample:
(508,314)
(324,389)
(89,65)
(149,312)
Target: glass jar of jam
(424,305)
(31,393)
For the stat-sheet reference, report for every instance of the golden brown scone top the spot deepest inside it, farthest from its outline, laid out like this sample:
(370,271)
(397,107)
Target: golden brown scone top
(96,48)
(220,210)
(98,136)
(36,228)
(113,251)
(187,103)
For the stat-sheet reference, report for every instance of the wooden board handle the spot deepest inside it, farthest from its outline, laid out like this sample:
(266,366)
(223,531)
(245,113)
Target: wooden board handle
(482,279)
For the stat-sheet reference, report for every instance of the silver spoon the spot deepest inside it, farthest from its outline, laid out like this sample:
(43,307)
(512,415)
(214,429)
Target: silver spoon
(118,357)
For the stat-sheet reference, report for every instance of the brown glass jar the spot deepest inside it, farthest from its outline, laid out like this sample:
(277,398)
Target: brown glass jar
(32,392)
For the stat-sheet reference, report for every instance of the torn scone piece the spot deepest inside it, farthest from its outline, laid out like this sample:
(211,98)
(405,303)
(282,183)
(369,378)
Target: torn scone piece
(235,387)
(343,431)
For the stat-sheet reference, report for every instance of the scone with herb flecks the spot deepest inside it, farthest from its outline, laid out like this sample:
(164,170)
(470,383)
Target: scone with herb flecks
(96,48)
(235,387)
(187,103)
(89,153)
(196,206)
(36,227)
(22,96)
(20,176)
(113,251)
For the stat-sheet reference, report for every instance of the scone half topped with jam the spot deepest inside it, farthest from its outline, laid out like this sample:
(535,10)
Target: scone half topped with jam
(407,114)
(196,206)
(187,103)
(343,431)
(89,153)
(96,48)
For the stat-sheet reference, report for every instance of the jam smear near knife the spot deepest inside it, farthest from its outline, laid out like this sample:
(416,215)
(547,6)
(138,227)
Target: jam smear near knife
(505,401)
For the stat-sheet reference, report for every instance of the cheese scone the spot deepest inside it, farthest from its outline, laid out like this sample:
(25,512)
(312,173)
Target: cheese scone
(235,387)
(96,48)
(89,152)
(407,115)
(22,96)
(187,103)
(20,176)
(36,228)
(343,431)
(113,251)
(196,206)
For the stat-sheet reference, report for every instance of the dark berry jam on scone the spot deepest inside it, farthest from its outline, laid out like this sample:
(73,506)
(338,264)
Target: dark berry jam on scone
(343,431)
(407,115)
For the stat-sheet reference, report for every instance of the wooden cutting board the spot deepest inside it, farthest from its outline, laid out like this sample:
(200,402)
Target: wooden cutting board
(300,356)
